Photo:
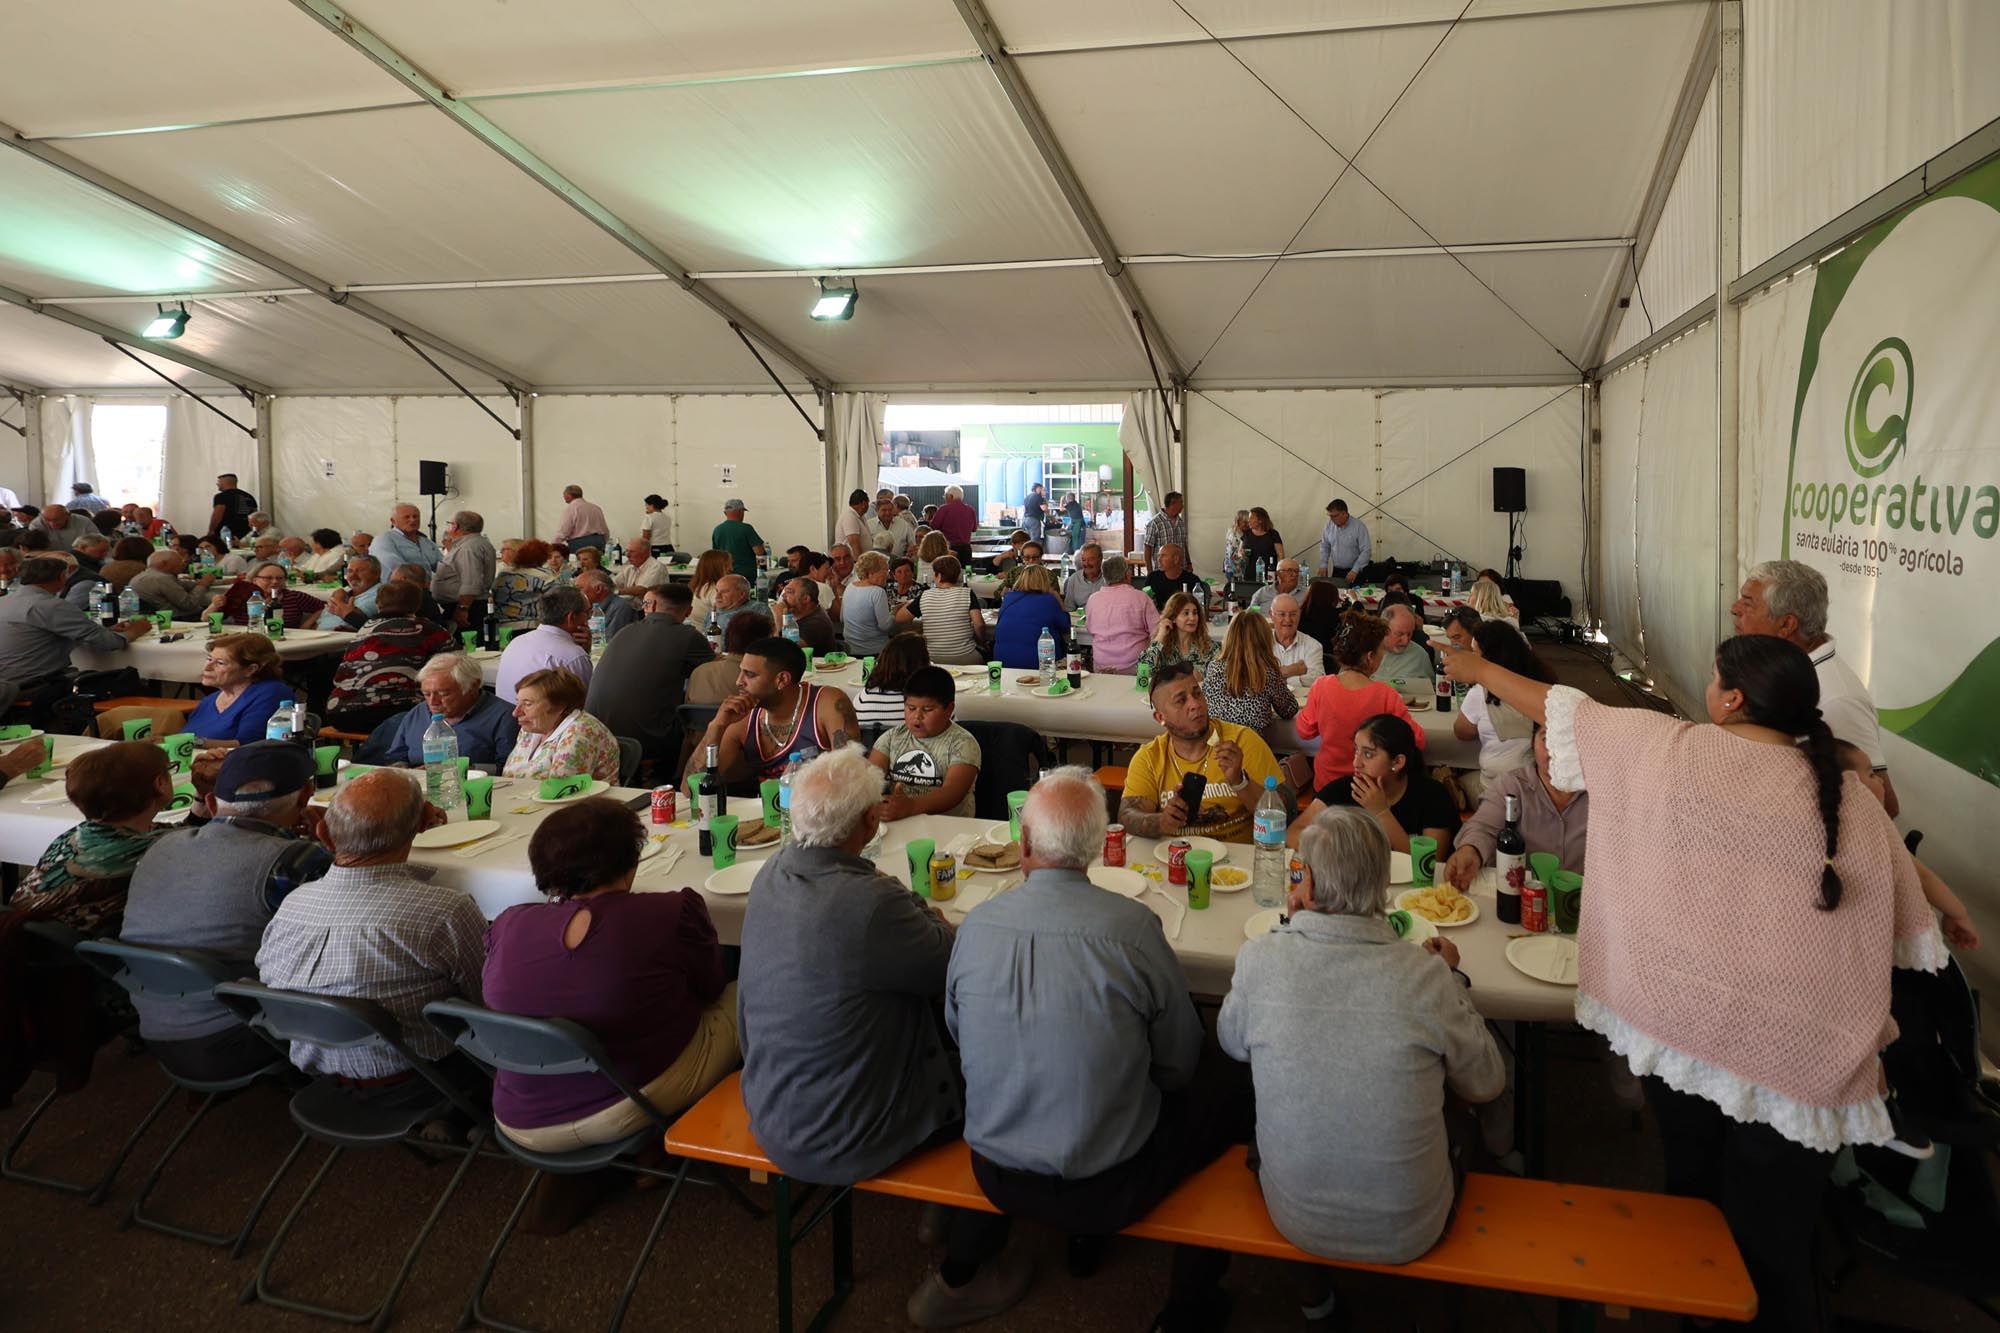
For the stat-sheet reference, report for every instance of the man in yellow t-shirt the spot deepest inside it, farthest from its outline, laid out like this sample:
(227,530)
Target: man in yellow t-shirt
(1233,758)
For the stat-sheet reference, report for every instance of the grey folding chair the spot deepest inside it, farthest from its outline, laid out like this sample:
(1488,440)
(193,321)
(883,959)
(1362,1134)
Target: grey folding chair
(630,753)
(549,1046)
(173,974)
(343,1116)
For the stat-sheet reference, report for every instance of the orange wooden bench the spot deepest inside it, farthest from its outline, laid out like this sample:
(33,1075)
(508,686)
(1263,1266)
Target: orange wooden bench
(1585,1246)
(145,701)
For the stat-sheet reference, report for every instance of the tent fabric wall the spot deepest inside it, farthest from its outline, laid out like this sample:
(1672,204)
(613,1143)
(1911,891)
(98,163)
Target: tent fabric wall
(198,447)
(1676,516)
(1289,451)
(1614,581)
(854,440)
(1146,432)
(334,460)
(619,449)
(780,469)
(1679,268)
(65,433)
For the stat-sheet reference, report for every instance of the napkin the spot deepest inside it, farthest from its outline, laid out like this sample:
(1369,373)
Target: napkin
(1061,686)
(1171,913)
(552,788)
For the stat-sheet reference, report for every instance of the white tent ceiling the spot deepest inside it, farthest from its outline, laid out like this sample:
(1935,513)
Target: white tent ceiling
(758,145)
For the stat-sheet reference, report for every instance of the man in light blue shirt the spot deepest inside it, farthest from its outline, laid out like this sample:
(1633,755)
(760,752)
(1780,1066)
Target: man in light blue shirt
(364,580)
(405,543)
(1344,548)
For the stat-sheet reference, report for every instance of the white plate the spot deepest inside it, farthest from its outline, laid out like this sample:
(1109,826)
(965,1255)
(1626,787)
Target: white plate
(1420,930)
(484,654)
(1215,885)
(1550,958)
(761,848)
(456,835)
(967,868)
(655,844)
(1423,703)
(597,787)
(171,817)
(51,795)
(1263,923)
(732,881)
(1219,850)
(1442,925)
(999,833)
(1117,879)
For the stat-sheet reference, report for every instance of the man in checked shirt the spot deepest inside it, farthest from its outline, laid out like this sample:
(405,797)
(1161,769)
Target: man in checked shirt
(375,927)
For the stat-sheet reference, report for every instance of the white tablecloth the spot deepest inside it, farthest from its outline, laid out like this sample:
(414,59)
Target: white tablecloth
(181,661)
(1206,944)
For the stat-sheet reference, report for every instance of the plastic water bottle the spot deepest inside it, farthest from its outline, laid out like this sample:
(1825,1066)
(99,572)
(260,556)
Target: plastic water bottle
(441,785)
(279,728)
(128,604)
(1045,654)
(227,540)
(596,632)
(255,614)
(792,768)
(1272,869)
(791,630)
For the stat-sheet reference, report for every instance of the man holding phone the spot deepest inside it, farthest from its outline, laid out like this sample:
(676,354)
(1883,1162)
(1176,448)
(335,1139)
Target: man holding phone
(1200,776)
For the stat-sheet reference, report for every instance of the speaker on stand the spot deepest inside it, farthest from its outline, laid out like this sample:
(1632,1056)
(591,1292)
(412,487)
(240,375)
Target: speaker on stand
(433,479)
(1510,497)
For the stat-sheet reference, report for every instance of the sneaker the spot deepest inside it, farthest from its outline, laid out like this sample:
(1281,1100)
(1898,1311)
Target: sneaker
(1908,1141)
(998,1285)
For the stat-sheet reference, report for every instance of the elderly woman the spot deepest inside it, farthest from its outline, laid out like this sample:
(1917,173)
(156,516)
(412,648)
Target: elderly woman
(82,878)
(450,684)
(1026,609)
(1389,783)
(1341,702)
(951,622)
(377,676)
(266,579)
(328,556)
(246,677)
(1244,684)
(642,971)
(866,619)
(518,587)
(1180,636)
(558,738)
(1343,1023)
(933,547)
(1760,1062)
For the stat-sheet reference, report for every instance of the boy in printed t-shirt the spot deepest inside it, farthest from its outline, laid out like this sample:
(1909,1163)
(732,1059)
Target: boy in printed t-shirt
(1234,761)
(932,762)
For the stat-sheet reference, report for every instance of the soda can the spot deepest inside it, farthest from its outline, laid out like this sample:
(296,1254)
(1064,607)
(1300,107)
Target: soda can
(1534,906)
(663,804)
(944,877)
(1177,851)
(1295,875)
(1114,845)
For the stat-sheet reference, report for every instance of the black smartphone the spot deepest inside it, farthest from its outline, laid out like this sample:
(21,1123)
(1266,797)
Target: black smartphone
(1192,786)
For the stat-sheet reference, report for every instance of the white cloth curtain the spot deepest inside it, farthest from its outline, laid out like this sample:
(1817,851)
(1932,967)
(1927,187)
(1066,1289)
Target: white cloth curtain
(1147,436)
(199,446)
(67,455)
(1675,527)
(854,440)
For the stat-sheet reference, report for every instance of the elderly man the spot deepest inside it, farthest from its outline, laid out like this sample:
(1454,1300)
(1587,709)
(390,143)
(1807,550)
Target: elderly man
(262,525)
(1086,579)
(360,542)
(850,526)
(364,577)
(150,525)
(375,927)
(1404,657)
(485,727)
(295,552)
(897,524)
(561,641)
(39,630)
(844,1070)
(732,597)
(63,527)
(741,541)
(419,578)
(642,570)
(85,499)
(639,684)
(1344,548)
(160,589)
(1167,528)
(1233,759)
(1287,582)
(774,712)
(1080,1046)
(582,523)
(833,579)
(957,520)
(464,578)
(1342,1023)
(800,597)
(90,552)
(405,543)
(1299,655)
(1119,619)
(243,559)
(231,508)
(596,587)
(1787,600)
(214,886)
(1172,575)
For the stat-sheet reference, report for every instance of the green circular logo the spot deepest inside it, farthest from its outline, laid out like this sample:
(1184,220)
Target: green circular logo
(1870,449)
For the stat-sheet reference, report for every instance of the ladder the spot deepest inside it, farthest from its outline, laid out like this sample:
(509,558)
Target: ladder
(1062,472)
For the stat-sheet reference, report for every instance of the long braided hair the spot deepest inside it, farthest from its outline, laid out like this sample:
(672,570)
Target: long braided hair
(1781,691)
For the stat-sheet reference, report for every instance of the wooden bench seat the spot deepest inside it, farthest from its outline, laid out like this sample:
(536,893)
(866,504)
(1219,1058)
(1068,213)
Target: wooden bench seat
(1577,1243)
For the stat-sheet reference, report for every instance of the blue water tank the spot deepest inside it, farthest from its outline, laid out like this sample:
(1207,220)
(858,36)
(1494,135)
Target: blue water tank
(1016,486)
(992,484)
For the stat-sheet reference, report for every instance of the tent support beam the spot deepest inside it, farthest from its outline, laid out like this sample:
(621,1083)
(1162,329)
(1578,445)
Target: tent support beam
(385,57)
(819,432)
(152,369)
(1680,131)
(468,394)
(524,457)
(32,437)
(1042,135)
(1165,397)
(1728,315)
(123,338)
(159,208)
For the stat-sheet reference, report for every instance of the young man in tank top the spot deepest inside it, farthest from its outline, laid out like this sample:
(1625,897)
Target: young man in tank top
(774,713)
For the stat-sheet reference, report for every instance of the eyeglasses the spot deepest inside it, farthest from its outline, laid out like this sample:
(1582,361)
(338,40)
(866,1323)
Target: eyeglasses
(223,662)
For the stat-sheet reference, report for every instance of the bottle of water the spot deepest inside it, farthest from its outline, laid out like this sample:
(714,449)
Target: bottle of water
(128,605)
(791,629)
(1272,868)
(227,541)
(785,779)
(441,785)
(596,632)
(254,612)
(279,728)
(1045,654)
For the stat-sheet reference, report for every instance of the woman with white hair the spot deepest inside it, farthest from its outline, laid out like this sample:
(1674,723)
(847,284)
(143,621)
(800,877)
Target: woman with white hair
(1342,1023)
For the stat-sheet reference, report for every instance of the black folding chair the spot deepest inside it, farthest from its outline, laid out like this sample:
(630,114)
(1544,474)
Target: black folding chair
(1011,756)
(344,1116)
(177,974)
(551,1046)
(49,959)
(630,754)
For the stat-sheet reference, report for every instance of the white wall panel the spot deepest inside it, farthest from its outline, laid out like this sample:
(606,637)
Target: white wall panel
(780,469)
(1232,463)
(1679,268)
(1615,581)
(357,436)
(618,448)
(484,459)
(1676,516)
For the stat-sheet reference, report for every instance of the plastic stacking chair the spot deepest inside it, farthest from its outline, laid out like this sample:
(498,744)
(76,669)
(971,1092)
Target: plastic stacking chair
(49,959)
(173,974)
(548,1046)
(630,753)
(342,1116)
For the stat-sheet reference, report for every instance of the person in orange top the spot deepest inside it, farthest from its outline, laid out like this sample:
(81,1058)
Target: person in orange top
(1342,701)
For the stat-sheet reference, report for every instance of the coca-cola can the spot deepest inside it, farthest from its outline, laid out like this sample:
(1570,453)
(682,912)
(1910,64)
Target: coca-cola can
(1177,851)
(1534,906)
(1114,845)
(663,804)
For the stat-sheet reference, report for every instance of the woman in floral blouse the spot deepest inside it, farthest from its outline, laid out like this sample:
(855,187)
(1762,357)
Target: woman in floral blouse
(1180,636)
(558,739)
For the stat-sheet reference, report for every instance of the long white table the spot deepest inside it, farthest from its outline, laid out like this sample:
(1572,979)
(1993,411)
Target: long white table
(181,661)
(497,877)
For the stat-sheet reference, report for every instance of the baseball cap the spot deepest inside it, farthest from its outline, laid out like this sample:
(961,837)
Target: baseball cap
(733,506)
(285,766)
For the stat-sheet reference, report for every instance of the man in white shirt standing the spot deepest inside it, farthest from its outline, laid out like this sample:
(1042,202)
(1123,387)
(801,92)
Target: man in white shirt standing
(1787,600)
(850,529)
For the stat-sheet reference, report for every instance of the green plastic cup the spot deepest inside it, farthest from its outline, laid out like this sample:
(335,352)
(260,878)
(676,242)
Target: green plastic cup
(1423,861)
(920,851)
(1544,864)
(773,816)
(1015,800)
(470,638)
(276,625)
(180,749)
(163,621)
(995,671)
(809,656)
(506,635)
(215,622)
(479,798)
(1565,900)
(326,766)
(1143,678)
(48,758)
(723,829)
(138,728)
(1200,865)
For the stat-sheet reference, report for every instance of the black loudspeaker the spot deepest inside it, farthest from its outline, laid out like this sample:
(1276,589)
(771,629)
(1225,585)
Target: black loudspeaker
(1537,597)
(431,478)
(1510,490)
